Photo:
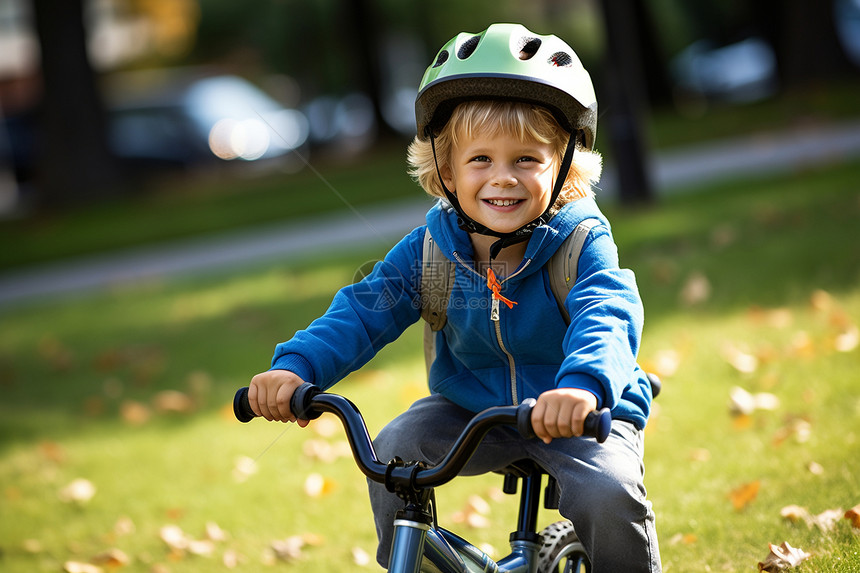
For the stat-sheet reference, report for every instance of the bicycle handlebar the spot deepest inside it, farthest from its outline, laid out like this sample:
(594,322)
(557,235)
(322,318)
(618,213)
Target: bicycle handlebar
(309,402)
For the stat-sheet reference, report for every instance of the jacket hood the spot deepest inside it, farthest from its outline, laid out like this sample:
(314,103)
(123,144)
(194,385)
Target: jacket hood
(545,240)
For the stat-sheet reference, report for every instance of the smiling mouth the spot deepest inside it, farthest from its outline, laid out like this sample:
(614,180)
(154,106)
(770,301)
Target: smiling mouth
(503,202)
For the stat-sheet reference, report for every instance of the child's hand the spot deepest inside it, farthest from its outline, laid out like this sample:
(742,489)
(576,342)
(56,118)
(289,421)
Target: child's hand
(269,395)
(560,413)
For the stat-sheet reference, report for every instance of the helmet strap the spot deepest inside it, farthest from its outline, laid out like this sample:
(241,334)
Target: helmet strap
(523,233)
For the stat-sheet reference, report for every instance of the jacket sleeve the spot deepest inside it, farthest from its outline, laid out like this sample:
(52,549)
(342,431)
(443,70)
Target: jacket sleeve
(602,340)
(362,318)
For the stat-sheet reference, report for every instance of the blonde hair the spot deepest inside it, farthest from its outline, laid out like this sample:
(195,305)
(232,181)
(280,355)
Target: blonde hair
(526,122)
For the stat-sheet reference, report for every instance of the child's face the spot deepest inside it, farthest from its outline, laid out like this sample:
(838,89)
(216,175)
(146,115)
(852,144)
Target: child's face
(501,182)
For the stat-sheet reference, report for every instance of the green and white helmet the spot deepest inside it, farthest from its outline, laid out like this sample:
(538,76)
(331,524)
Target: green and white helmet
(507,61)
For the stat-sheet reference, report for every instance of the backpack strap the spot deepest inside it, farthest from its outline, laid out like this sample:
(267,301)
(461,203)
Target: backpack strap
(563,265)
(437,279)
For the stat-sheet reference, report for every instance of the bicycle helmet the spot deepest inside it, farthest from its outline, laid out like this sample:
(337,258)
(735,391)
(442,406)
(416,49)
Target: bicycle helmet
(508,62)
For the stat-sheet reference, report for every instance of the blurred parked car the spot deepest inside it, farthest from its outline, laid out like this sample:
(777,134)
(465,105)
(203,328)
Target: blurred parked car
(176,120)
(191,121)
(740,72)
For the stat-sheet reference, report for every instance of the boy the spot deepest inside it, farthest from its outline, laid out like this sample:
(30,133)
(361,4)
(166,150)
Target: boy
(506,123)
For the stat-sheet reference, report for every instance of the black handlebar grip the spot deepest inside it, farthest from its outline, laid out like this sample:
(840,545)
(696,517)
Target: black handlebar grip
(524,418)
(301,402)
(598,424)
(241,407)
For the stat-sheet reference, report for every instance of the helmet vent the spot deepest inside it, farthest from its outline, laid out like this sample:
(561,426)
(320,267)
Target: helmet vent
(441,58)
(529,48)
(468,47)
(561,59)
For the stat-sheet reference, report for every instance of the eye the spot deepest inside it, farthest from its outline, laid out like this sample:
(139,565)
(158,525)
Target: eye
(525,158)
(480,158)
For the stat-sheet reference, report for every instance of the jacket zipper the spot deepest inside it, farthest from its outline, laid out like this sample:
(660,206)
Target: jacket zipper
(496,319)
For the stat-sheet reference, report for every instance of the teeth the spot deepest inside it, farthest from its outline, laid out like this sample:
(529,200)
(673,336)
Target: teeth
(502,202)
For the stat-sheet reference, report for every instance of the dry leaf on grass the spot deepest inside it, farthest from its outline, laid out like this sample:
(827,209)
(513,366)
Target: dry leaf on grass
(847,340)
(696,290)
(825,521)
(317,485)
(80,491)
(745,494)
(782,557)
(474,513)
(360,557)
(80,567)
(744,403)
(742,361)
(244,468)
(853,515)
(172,401)
(112,559)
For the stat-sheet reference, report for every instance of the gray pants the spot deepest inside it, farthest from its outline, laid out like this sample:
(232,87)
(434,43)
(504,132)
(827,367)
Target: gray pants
(601,485)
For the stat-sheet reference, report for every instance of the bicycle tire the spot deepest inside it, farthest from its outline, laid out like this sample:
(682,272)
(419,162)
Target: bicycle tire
(562,552)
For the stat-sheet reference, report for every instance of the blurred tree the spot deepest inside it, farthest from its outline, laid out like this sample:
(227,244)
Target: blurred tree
(623,97)
(803,36)
(73,160)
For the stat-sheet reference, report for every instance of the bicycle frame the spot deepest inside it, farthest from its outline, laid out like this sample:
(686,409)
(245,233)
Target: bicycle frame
(423,547)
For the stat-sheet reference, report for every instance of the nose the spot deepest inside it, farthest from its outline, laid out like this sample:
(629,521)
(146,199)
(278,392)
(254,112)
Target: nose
(503,177)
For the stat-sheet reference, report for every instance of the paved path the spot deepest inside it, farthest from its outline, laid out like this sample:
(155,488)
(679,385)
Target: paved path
(672,171)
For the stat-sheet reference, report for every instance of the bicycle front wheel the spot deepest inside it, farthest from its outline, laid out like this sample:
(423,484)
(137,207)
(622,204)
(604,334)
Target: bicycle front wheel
(562,551)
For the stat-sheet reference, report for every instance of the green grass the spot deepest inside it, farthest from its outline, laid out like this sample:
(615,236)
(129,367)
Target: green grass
(767,249)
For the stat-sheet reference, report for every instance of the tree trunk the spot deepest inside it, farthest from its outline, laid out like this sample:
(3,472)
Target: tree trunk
(622,100)
(74,163)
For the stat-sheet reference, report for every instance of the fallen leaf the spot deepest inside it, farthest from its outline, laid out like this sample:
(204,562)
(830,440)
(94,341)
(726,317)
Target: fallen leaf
(795,513)
(317,485)
(134,413)
(231,559)
(826,521)
(782,557)
(112,558)
(742,402)
(79,567)
(742,361)
(288,549)
(360,557)
(815,468)
(325,426)
(174,537)
(798,428)
(52,451)
(478,504)
(683,539)
(203,547)
(848,340)
(244,468)
(124,526)
(172,401)
(801,345)
(696,290)
(745,494)
(853,515)
(80,491)
(214,532)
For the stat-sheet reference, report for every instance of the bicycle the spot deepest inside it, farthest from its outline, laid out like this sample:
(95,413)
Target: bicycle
(420,545)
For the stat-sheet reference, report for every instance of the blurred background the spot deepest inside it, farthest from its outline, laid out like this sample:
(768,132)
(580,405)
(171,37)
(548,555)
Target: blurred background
(103,98)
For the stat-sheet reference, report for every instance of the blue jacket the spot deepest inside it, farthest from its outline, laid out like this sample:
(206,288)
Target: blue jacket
(481,362)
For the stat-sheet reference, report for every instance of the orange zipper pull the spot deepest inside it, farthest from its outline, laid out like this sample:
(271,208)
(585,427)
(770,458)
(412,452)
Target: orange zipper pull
(494,285)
